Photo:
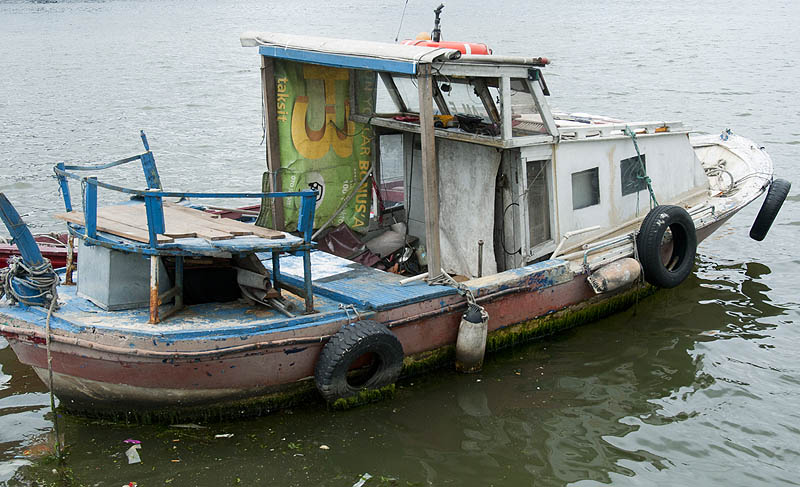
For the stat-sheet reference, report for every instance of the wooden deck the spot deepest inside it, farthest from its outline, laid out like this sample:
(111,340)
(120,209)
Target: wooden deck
(130,221)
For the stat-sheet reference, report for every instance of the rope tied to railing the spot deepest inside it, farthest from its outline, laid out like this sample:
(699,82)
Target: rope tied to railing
(643,176)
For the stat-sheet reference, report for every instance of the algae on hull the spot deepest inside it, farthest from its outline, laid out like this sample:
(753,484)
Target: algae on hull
(303,394)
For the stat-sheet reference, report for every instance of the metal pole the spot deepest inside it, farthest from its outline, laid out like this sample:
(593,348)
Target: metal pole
(480,258)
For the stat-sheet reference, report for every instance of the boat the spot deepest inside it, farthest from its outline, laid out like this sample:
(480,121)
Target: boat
(520,221)
(53,247)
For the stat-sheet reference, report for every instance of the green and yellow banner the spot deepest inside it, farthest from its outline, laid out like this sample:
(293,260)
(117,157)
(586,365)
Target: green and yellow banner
(320,148)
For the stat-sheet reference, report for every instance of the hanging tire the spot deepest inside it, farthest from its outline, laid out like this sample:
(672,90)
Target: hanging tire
(363,355)
(665,267)
(777,193)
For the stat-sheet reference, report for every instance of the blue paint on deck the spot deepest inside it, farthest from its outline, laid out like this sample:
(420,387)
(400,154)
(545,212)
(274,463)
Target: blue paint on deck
(210,321)
(537,276)
(336,281)
(352,283)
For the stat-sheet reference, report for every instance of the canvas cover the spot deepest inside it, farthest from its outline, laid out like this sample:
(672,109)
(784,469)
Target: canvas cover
(467,175)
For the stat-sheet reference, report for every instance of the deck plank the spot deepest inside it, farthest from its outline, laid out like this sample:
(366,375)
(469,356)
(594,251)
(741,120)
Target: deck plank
(115,228)
(176,226)
(225,224)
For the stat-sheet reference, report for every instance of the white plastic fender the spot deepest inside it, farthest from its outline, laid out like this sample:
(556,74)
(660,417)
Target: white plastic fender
(471,341)
(615,275)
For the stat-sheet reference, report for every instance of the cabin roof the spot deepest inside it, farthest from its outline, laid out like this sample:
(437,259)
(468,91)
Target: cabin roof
(377,56)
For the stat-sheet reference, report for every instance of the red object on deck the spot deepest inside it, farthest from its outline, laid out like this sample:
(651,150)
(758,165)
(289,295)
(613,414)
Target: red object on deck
(464,47)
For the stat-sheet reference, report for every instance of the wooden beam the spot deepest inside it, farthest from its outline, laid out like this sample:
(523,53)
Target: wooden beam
(541,105)
(486,98)
(394,93)
(440,101)
(430,170)
(505,98)
(270,96)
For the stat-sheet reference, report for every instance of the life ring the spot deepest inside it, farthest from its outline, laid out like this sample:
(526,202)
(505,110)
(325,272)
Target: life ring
(464,47)
(667,266)
(777,193)
(363,355)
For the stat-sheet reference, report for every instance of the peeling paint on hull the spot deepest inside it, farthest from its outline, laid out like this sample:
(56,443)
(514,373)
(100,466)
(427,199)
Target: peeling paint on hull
(227,377)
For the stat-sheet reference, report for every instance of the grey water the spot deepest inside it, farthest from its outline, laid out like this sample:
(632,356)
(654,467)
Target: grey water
(695,385)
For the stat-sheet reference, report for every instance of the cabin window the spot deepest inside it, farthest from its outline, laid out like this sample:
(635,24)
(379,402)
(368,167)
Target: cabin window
(390,185)
(632,175)
(538,202)
(585,188)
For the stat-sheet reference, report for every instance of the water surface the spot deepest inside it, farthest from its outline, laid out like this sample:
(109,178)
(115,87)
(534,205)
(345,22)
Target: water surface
(696,385)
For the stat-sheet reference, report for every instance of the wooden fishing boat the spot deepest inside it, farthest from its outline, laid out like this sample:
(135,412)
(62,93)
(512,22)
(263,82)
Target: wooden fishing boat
(52,246)
(527,221)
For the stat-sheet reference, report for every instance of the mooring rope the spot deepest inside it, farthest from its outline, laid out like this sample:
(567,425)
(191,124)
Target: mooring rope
(43,279)
(644,175)
(444,279)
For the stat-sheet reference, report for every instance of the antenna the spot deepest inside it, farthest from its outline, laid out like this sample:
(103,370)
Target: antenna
(401,22)
(437,32)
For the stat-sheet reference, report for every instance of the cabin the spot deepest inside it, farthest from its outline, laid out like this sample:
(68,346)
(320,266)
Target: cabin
(466,147)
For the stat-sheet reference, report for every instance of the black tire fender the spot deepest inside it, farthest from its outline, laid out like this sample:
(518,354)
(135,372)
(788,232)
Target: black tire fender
(345,348)
(677,267)
(776,195)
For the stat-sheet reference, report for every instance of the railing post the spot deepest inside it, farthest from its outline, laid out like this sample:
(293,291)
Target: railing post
(90,211)
(305,221)
(150,171)
(155,218)
(154,264)
(62,183)
(307,281)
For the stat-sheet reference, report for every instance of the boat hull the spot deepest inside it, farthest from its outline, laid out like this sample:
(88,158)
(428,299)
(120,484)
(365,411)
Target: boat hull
(231,376)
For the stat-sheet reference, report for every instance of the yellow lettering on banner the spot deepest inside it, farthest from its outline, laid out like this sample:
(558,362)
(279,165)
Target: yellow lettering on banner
(283,97)
(314,144)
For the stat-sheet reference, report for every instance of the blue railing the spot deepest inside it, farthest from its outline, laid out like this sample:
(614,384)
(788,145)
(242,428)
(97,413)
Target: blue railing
(153,195)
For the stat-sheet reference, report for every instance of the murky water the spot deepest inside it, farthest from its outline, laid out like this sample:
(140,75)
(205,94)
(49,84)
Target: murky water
(698,384)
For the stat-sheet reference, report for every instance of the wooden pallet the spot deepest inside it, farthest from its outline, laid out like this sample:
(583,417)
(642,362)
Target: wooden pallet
(130,221)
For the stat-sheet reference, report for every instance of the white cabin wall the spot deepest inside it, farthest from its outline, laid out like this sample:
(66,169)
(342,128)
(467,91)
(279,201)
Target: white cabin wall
(671,164)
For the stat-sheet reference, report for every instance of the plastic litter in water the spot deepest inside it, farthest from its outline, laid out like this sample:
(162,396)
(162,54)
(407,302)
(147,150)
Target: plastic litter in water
(224,435)
(132,441)
(133,454)
(190,426)
(324,447)
(362,480)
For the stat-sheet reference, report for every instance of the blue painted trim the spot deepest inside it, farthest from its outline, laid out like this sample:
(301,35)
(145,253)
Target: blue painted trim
(150,171)
(64,185)
(19,231)
(155,218)
(95,167)
(144,140)
(340,60)
(90,212)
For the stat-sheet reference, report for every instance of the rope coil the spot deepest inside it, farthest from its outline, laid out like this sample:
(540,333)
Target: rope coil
(41,278)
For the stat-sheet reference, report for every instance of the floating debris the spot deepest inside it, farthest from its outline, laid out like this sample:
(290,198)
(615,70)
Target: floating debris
(362,480)
(224,435)
(133,454)
(132,441)
(190,426)
(324,447)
